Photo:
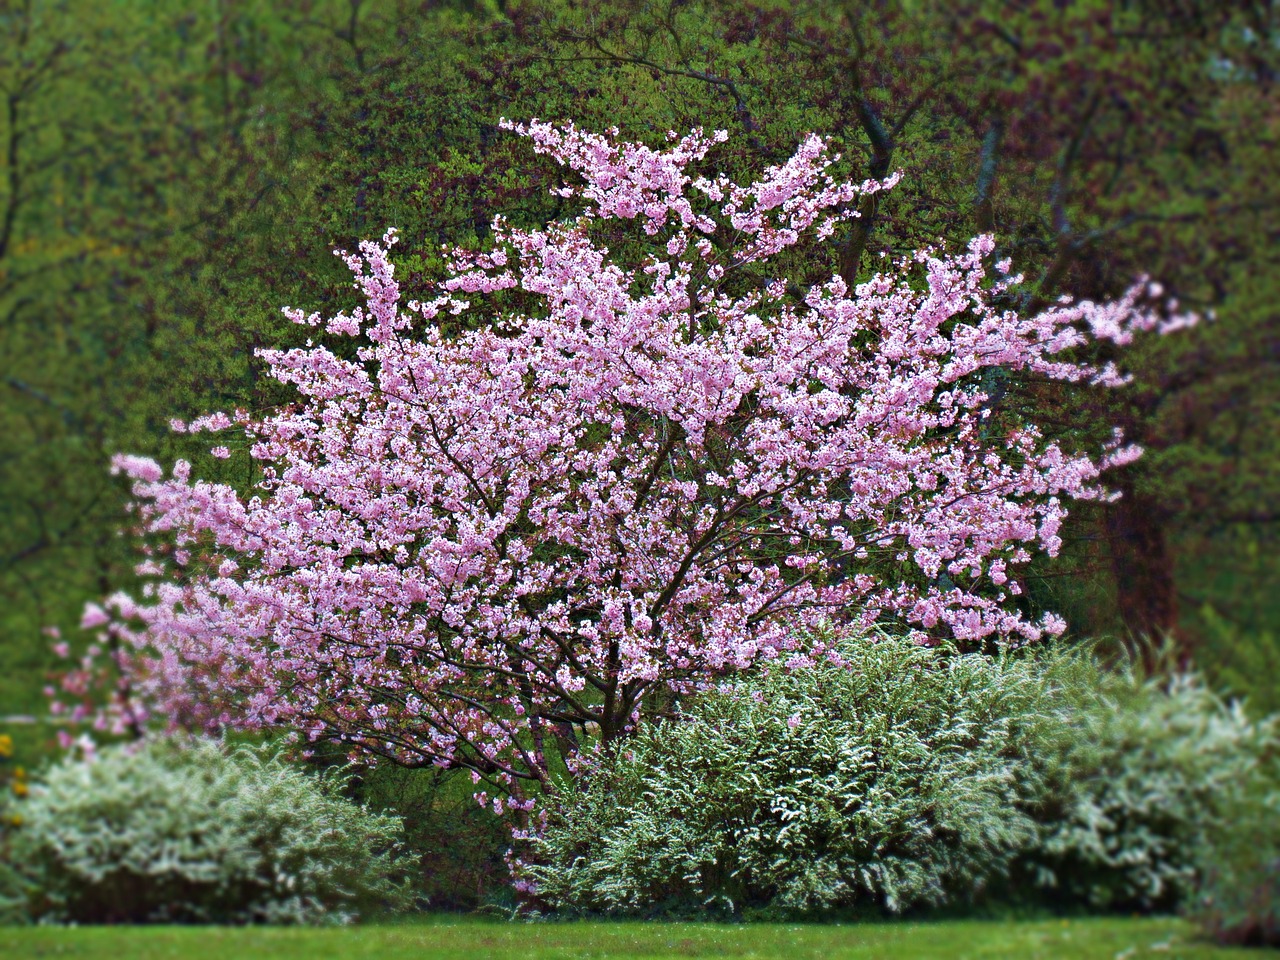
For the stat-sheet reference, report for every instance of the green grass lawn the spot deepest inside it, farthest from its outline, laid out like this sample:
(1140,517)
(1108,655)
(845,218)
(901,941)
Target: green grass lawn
(1096,939)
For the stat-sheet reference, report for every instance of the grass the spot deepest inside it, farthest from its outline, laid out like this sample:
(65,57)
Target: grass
(467,939)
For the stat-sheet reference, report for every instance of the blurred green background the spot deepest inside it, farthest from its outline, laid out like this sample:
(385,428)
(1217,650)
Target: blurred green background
(175,171)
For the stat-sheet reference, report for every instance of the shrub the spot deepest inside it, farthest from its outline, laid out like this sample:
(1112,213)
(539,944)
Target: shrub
(1127,776)
(882,782)
(1241,661)
(13,778)
(13,788)
(906,777)
(1239,898)
(460,846)
(199,834)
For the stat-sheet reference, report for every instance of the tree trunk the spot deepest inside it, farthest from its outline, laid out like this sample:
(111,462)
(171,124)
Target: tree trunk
(1142,564)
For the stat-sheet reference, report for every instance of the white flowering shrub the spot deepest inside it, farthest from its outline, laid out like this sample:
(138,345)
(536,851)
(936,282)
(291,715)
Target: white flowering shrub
(198,833)
(906,777)
(884,782)
(1129,778)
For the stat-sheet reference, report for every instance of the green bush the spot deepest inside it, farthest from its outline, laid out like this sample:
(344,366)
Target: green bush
(883,784)
(1243,662)
(1127,776)
(1239,897)
(907,778)
(196,833)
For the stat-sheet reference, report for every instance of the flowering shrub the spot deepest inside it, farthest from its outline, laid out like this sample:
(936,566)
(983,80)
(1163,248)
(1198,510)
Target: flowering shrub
(885,782)
(1238,900)
(621,478)
(907,778)
(197,834)
(1130,780)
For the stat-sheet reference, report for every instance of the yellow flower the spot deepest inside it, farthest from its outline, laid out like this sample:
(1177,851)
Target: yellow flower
(6,745)
(20,789)
(19,773)
(16,820)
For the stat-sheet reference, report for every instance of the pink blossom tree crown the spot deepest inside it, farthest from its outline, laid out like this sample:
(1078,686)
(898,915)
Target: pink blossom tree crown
(469,549)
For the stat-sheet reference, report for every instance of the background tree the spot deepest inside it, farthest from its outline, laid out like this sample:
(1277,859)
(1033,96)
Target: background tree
(156,159)
(1098,139)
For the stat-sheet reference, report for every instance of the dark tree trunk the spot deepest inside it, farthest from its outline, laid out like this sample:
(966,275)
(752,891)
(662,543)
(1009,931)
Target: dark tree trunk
(1142,564)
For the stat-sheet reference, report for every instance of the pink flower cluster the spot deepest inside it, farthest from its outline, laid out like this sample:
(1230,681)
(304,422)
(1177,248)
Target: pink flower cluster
(478,549)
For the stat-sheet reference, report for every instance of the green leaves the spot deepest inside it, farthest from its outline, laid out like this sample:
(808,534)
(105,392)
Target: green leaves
(911,777)
(199,833)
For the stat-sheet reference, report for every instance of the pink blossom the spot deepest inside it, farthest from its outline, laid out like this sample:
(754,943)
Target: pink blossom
(93,616)
(139,468)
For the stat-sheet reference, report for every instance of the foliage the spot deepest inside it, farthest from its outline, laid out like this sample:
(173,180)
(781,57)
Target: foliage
(165,176)
(911,778)
(199,833)
(1129,776)
(1244,665)
(1238,901)
(14,786)
(13,779)
(130,156)
(885,782)
(459,846)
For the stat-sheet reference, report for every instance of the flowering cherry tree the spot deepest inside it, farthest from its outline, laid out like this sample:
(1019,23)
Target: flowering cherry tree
(622,478)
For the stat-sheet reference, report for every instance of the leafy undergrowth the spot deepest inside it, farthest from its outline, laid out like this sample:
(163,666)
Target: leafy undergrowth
(460,939)
(34,740)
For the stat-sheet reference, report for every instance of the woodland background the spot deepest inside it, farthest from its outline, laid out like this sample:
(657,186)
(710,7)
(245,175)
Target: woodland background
(174,172)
